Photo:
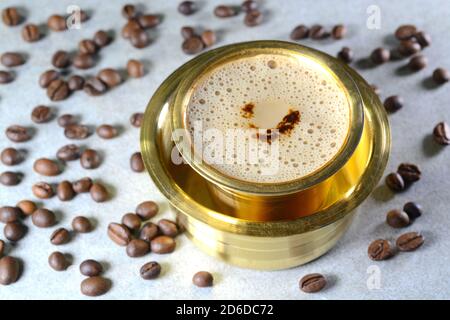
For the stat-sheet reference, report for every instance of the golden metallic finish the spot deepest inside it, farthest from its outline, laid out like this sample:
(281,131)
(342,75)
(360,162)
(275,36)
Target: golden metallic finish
(275,226)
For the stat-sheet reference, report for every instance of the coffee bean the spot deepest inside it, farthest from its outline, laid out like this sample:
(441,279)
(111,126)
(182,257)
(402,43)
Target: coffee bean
(441,134)
(346,55)
(409,47)
(58,90)
(393,103)
(317,32)
(312,283)
(10,214)
(6,77)
(76,132)
(11,157)
(11,16)
(2,248)
(395,182)
(417,63)
(424,39)
(106,131)
(87,46)
(168,228)
(43,218)
(405,32)
(413,210)
(60,236)
(192,45)
(139,38)
(9,270)
(132,221)
(135,68)
(136,163)
(409,172)
(83,16)
(9,178)
(43,190)
(148,21)
(58,261)
(208,38)
(253,18)
(441,76)
(249,5)
(17,133)
(136,119)
(46,167)
(410,241)
(83,185)
(95,87)
(27,207)
(187,7)
(380,55)
(81,224)
(83,61)
(90,159)
(187,32)
(225,11)
(150,270)
(75,83)
(380,250)
(147,209)
(203,279)
(56,23)
(95,286)
(119,233)
(149,231)
(91,268)
(128,28)
(98,192)
(68,152)
(137,248)
(41,114)
(110,77)
(48,77)
(163,245)
(129,11)
(64,191)
(102,39)
(12,59)
(14,231)
(397,219)
(339,31)
(30,33)
(61,59)
(300,32)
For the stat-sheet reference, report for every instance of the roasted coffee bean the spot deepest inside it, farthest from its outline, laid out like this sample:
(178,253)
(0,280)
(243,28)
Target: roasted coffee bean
(43,218)
(249,5)
(27,207)
(203,279)
(75,83)
(11,157)
(119,233)
(192,45)
(12,59)
(137,248)
(58,90)
(64,191)
(208,37)
(129,11)
(168,228)
(41,114)
(83,16)
(225,11)
(410,241)
(95,286)
(56,23)
(90,159)
(409,172)
(9,178)
(61,59)
(136,163)
(2,248)
(31,33)
(441,133)
(10,214)
(68,152)
(148,21)
(253,18)
(317,32)
(110,77)
(393,103)
(129,28)
(441,75)
(6,77)
(187,32)
(397,219)
(163,244)
(14,231)
(76,132)
(87,46)
(380,55)
(91,268)
(106,131)
(132,221)
(48,77)
(147,209)
(135,68)
(380,250)
(424,39)
(312,283)
(83,61)
(405,32)
(98,192)
(300,32)
(339,31)
(136,119)
(17,133)
(83,185)
(413,210)
(95,87)
(46,167)
(417,63)
(395,182)
(408,47)
(346,55)
(43,190)
(150,270)
(187,7)
(60,236)
(139,38)
(11,16)
(58,261)
(102,39)
(9,270)
(81,224)
(149,231)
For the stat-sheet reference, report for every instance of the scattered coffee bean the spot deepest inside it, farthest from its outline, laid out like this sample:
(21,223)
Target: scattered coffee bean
(95,87)
(91,268)
(168,228)
(147,210)
(46,167)
(102,39)
(119,233)
(90,159)
(148,21)
(223,11)
(192,45)
(162,245)
(6,77)
(83,61)
(68,152)
(75,83)
(417,63)
(129,11)
(312,283)
(393,103)
(87,46)
(83,185)
(17,133)
(76,132)
(41,114)
(424,39)
(14,231)
(136,119)
(380,55)
(339,31)
(139,38)
(10,214)
(9,178)
(11,157)
(249,5)
(95,286)
(409,172)
(187,32)
(187,7)
(58,261)
(137,248)
(64,191)
(56,23)
(129,28)
(43,218)
(106,131)
(81,224)
(300,32)
(413,210)
(441,75)
(9,270)
(98,192)
(135,68)
(397,219)
(409,47)
(48,77)
(441,133)
(346,55)
(30,33)
(11,16)
(150,270)
(203,279)
(208,37)
(405,32)
(58,90)
(27,207)
(380,250)
(132,221)
(12,59)
(110,77)
(148,232)
(60,236)
(395,182)
(317,32)
(43,190)
(136,163)
(409,241)
(61,59)
(253,18)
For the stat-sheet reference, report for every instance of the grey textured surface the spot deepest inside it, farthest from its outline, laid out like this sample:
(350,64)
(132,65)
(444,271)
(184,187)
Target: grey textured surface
(423,274)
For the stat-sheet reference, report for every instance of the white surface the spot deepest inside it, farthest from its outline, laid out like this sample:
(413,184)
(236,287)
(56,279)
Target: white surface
(423,274)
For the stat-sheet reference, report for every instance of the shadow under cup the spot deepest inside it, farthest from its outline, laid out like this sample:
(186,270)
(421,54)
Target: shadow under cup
(265,225)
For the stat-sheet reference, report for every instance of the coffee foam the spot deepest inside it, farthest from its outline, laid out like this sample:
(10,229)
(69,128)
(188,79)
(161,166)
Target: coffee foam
(275,85)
